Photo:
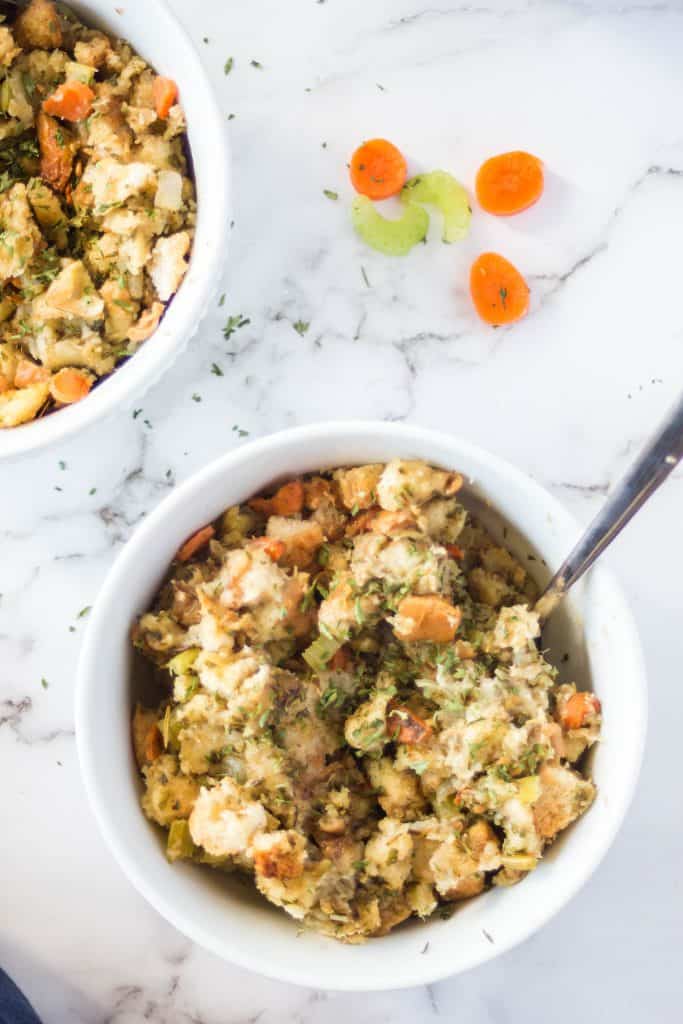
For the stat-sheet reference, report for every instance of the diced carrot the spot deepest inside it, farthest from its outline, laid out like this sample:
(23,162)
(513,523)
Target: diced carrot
(154,744)
(28,373)
(509,183)
(194,543)
(455,552)
(69,386)
(578,708)
(406,727)
(57,151)
(164,93)
(287,501)
(499,292)
(427,617)
(273,547)
(72,101)
(378,169)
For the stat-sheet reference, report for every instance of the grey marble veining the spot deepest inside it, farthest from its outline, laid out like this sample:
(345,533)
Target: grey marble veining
(595,88)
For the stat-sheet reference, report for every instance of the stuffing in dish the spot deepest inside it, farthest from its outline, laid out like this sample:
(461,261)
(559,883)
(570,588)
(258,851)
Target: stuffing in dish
(354,708)
(97,207)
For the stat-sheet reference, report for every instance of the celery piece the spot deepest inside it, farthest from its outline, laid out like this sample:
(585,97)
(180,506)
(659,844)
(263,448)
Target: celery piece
(165,726)
(179,845)
(76,72)
(440,189)
(183,662)
(320,651)
(390,237)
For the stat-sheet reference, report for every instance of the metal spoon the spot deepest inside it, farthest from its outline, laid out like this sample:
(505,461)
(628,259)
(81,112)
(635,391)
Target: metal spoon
(659,457)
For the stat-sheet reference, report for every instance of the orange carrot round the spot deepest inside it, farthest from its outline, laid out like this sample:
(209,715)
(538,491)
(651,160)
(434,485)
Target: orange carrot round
(71,101)
(194,543)
(28,373)
(578,708)
(405,726)
(499,292)
(509,183)
(69,386)
(378,169)
(164,93)
(287,501)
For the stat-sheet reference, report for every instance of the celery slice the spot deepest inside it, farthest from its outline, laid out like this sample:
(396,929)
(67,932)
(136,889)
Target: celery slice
(440,189)
(390,237)
(165,726)
(320,651)
(179,845)
(183,662)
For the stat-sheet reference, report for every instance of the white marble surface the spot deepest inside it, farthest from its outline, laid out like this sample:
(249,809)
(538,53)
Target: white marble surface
(596,89)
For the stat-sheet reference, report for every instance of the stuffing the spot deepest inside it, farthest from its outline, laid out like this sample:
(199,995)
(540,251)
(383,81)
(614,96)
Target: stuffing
(20,237)
(363,736)
(8,47)
(168,264)
(97,208)
(169,795)
(224,821)
(403,483)
(71,296)
(388,853)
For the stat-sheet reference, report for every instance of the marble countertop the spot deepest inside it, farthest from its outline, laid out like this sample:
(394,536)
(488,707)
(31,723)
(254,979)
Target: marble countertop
(595,88)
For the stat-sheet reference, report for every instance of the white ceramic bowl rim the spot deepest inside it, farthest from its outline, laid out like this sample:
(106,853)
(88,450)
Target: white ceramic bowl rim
(333,965)
(155,33)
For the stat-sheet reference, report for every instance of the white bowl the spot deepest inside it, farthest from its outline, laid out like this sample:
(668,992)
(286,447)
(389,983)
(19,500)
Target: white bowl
(227,916)
(156,35)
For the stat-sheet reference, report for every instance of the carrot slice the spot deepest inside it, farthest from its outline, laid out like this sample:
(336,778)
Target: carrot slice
(378,169)
(28,373)
(578,708)
(194,543)
(154,744)
(287,501)
(509,183)
(164,93)
(406,727)
(69,386)
(455,551)
(72,101)
(499,292)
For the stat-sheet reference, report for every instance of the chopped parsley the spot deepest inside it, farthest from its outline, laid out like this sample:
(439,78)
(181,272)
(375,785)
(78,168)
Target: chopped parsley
(234,323)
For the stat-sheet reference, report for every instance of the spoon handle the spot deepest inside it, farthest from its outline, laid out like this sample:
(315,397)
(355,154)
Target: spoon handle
(659,457)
